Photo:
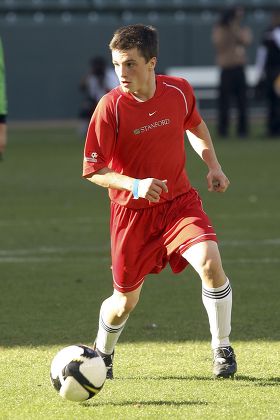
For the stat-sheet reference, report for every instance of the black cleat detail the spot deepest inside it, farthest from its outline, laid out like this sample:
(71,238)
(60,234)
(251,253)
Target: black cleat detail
(108,360)
(224,364)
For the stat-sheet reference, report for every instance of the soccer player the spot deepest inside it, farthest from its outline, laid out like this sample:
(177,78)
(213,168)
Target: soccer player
(3,104)
(135,148)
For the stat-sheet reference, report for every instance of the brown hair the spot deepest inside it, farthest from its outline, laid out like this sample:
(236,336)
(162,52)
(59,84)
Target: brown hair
(142,37)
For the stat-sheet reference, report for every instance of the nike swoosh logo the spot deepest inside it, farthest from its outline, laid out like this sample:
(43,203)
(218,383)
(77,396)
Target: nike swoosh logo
(152,113)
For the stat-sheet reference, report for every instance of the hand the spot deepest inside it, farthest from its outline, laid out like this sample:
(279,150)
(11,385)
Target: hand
(217,181)
(151,189)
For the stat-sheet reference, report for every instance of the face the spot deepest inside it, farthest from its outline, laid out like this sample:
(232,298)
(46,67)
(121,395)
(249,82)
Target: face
(135,75)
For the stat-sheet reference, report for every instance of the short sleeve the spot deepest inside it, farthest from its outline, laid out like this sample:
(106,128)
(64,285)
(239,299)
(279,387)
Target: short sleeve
(101,138)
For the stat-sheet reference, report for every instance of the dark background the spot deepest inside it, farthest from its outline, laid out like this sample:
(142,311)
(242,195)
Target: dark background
(48,43)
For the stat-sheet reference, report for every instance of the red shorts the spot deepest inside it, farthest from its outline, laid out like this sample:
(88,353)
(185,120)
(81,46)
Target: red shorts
(143,241)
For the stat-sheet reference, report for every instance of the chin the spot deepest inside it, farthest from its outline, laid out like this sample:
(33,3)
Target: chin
(128,89)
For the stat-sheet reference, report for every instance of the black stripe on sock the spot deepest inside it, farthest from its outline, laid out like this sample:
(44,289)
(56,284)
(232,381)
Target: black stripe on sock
(109,329)
(217,295)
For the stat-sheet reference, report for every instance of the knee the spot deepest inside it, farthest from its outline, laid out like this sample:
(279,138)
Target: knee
(126,304)
(211,272)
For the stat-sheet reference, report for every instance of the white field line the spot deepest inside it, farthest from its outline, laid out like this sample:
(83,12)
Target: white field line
(24,260)
(16,260)
(59,254)
(250,242)
(94,219)
(47,250)
(30,259)
(251,260)
(53,254)
(248,215)
(52,221)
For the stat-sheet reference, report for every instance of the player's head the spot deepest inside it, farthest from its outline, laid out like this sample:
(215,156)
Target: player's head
(142,37)
(134,55)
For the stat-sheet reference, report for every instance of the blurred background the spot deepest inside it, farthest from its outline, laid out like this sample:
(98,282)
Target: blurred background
(48,44)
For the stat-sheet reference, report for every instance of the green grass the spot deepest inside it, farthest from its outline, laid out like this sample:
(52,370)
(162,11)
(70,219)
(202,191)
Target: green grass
(55,271)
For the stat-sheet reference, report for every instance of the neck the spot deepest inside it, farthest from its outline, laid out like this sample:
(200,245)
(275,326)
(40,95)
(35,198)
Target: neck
(147,92)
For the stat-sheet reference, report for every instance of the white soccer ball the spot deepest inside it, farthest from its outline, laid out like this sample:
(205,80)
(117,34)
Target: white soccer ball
(78,373)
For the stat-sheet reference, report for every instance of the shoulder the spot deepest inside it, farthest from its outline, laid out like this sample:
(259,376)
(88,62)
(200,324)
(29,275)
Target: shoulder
(177,83)
(110,100)
(179,92)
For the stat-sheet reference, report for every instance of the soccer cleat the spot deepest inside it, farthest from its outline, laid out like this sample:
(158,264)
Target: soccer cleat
(224,364)
(108,360)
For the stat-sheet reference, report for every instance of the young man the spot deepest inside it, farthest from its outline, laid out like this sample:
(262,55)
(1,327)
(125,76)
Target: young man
(135,148)
(3,104)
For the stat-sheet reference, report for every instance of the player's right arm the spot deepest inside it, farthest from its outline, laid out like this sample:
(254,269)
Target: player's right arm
(148,188)
(99,149)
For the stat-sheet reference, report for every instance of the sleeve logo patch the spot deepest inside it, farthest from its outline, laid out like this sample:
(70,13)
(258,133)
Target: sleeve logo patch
(93,157)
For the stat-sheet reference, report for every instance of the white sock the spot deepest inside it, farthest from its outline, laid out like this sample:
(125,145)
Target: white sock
(218,303)
(107,335)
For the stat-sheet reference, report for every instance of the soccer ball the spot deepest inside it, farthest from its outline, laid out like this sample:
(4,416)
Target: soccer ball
(78,373)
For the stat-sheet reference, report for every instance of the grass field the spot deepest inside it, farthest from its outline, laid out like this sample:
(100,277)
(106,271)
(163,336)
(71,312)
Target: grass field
(55,271)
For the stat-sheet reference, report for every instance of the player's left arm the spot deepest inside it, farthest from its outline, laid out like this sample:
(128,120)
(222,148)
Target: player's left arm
(201,142)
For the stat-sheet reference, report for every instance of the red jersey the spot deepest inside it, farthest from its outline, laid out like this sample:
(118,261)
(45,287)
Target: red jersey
(143,139)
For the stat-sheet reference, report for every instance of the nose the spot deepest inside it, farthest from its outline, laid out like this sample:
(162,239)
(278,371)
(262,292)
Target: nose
(122,71)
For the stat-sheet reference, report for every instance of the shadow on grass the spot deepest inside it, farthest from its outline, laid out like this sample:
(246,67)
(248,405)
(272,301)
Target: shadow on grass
(146,403)
(240,378)
(168,378)
(259,381)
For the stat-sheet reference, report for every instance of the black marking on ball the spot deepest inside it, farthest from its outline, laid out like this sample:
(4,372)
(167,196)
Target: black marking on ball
(89,353)
(73,369)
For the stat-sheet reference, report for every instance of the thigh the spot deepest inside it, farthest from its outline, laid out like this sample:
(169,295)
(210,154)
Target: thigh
(188,224)
(136,246)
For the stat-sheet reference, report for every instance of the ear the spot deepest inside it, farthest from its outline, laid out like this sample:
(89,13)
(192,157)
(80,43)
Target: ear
(152,63)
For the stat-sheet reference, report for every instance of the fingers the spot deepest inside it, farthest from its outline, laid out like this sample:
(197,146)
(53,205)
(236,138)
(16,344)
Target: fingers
(155,190)
(151,189)
(219,185)
(164,186)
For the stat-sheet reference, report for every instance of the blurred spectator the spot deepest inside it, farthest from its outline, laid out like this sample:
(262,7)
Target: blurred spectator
(99,81)
(268,73)
(230,40)
(3,104)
